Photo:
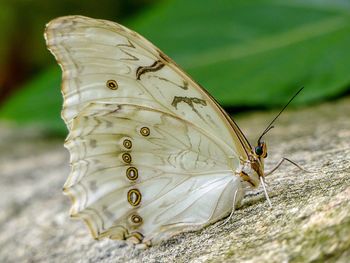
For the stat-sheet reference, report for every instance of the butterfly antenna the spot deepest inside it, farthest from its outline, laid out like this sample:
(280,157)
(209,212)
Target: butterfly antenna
(270,126)
(265,191)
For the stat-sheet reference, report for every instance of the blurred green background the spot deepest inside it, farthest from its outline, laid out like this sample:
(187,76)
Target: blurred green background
(247,54)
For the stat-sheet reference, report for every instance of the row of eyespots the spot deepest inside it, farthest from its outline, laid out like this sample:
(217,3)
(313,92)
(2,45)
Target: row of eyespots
(134,196)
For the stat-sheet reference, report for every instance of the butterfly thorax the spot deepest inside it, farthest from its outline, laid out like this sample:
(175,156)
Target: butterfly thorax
(252,168)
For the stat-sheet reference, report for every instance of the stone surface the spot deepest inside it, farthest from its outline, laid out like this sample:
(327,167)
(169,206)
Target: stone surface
(309,221)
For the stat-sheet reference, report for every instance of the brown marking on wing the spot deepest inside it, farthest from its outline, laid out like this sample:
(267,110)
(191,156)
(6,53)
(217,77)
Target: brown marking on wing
(126,45)
(183,86)
(130,56)
(189,101)
(112,84)
(157,65)
(164,57)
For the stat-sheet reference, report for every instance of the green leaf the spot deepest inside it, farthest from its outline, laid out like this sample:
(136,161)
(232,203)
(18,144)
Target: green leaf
(246,53)
(39,102)
(257,53)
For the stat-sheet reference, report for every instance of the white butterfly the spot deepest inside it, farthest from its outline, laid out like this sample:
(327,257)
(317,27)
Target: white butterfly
(152,153)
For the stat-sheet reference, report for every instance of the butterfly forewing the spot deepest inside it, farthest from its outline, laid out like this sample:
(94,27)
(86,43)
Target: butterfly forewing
(96,53)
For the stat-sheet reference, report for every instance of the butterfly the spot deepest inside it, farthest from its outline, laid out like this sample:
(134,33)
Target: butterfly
(152,153)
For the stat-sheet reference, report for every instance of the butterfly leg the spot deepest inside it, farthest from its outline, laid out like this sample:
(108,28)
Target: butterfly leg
(233,209)
(279,164)
(265,191)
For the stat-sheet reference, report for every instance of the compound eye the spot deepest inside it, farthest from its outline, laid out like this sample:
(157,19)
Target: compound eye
(259,150)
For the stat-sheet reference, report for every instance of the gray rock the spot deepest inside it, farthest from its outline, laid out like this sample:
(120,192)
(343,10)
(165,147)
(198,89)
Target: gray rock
(309,221)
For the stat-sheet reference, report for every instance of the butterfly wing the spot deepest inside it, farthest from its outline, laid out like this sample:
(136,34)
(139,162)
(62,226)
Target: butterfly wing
(120,91)
(97,55)
(144,175)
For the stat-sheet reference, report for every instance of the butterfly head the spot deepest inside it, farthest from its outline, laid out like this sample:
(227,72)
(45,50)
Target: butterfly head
(260,150)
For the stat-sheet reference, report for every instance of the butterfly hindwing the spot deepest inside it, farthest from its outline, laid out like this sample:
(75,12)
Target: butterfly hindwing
(144,174)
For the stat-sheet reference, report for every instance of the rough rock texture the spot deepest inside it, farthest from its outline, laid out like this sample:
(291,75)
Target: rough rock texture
(309,221)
